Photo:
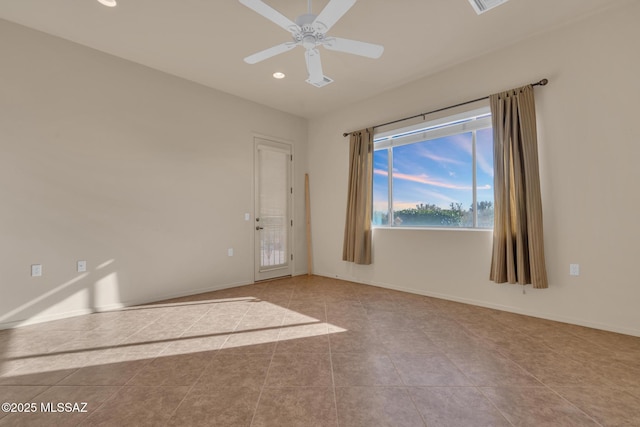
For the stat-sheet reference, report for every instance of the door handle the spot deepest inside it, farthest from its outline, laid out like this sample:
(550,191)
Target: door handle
(259,228)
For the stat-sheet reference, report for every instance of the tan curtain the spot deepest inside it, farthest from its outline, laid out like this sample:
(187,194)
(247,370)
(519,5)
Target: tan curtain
(357,230)
(518,248)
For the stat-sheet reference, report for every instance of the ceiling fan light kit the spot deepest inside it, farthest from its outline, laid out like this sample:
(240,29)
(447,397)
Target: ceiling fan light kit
(309,31)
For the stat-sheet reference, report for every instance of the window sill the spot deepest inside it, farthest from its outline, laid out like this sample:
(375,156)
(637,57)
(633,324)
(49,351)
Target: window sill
(381,227)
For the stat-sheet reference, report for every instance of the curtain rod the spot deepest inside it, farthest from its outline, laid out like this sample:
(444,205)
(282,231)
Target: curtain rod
(542,82)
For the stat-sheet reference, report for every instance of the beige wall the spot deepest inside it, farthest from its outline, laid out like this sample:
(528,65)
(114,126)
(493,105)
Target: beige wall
(589,152)
(145,176)
(148,177)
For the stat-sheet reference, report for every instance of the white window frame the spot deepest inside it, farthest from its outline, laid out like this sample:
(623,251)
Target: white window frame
(463,122)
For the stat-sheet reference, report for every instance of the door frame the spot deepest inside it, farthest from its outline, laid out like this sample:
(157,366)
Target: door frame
(287,146)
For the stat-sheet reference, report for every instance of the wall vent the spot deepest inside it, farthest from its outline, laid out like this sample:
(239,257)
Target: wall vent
(481,6)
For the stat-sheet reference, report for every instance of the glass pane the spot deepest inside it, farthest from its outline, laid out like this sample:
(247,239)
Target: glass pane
(273,208)
(380,187)
(484,180)
(433,182)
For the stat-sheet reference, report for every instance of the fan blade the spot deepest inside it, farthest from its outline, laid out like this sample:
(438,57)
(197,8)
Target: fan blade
(271,14)
(331,13)
(268,53)
(354,47)
(314,65)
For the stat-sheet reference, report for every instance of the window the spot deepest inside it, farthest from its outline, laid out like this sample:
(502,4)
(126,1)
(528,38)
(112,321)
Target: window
(435,174)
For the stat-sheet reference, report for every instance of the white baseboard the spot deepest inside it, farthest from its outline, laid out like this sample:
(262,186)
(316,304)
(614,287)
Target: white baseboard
(510,309)
(44,318)
(117,306)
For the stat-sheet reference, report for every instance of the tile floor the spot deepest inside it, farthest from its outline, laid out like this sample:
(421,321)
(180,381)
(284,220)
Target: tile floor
(317,351)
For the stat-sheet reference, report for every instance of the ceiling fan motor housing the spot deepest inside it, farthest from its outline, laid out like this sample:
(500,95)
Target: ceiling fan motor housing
(307,33)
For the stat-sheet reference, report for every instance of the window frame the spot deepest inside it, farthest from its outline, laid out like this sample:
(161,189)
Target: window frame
(470,120)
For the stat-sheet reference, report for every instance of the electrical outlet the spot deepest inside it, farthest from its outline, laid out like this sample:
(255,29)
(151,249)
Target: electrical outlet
(574,269)
(36,270)
(82,266)
(230,251)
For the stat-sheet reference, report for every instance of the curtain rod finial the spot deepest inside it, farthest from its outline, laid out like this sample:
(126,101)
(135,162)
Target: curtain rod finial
(543,82)
(344,135)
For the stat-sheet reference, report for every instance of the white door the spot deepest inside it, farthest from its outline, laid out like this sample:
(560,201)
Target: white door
(273,254)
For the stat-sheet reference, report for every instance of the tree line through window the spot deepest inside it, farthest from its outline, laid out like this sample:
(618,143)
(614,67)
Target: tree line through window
(438,174)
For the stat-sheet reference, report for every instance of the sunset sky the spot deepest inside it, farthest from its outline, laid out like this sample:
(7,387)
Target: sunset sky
(436,172)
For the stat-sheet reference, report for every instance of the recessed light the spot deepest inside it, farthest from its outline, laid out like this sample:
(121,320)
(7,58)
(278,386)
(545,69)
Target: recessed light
(278,75)
(108,3)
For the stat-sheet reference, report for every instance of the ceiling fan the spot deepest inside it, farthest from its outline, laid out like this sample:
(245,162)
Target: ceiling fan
(309,31)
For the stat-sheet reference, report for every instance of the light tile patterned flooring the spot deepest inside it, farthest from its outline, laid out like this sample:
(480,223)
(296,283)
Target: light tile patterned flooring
(317,351)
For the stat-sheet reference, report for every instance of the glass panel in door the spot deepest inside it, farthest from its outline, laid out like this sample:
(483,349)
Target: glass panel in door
(272,210)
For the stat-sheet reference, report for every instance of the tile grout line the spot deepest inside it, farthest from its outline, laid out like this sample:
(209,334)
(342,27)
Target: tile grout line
(175,410)
(491,336)
(273,353)
(479,387)
(548,387)
(404,386)
(493,404)
(210,362)
(333,381)
(146,364)
(572,404)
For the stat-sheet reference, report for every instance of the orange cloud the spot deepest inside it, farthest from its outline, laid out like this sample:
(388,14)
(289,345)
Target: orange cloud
(424,179)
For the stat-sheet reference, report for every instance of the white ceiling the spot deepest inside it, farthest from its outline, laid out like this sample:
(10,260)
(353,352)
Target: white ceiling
(206,40)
